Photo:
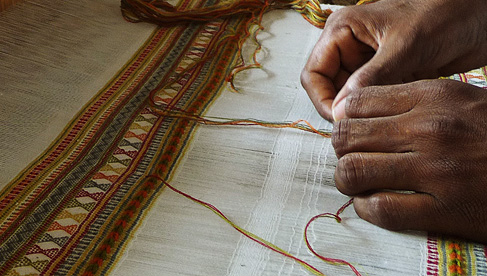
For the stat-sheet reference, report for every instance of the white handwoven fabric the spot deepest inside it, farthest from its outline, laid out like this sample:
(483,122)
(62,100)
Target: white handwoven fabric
(43,82)
(271,182)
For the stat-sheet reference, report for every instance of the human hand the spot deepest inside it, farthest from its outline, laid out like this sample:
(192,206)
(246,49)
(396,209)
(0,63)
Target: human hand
(390,42)
(429,137)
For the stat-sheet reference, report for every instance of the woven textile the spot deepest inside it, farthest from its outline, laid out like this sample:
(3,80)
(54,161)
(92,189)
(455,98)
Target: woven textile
(71,210)
(79,140)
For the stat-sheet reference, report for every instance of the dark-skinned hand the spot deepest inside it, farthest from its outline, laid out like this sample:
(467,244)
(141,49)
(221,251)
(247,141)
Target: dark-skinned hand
(391,42)
(429,137)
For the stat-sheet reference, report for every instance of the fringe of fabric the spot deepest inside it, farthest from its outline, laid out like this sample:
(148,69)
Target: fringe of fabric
(162,13)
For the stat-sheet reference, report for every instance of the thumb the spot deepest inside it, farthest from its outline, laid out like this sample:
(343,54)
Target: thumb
(381,69)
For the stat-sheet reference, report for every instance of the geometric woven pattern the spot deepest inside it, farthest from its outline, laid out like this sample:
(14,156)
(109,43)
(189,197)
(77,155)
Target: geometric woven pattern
(73,209)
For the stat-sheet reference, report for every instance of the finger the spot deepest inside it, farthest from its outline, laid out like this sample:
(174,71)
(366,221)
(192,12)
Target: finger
(317,77)
(383,134)
(353,52)
(398,211)
(335,55)
(382,68)
(321,92)
(341,78)
(357,173)
(382,101)
(358,41)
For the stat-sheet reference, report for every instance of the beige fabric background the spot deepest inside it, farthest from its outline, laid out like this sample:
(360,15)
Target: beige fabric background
(268,181)
(48,74)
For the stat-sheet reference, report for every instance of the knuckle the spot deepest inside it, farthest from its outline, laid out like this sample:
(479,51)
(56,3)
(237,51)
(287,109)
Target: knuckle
(436,92)
(349,174)
(304,77)
(385,213)
(443,127)
(344,13)
(343,17)
(337,16)
(355,101)
(340,136)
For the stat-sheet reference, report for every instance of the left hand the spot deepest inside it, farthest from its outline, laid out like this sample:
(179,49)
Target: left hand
(391,42)
(429,137)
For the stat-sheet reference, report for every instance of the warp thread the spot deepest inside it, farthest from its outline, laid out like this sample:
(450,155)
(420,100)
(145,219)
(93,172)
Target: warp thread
(220,121)
(303,125)
(174,112)
(268,244)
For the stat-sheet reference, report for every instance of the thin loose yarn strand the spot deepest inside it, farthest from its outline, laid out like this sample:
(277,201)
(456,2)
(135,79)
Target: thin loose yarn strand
(244,232)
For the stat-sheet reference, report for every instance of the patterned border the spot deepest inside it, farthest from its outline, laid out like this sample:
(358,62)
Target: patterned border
(72,211)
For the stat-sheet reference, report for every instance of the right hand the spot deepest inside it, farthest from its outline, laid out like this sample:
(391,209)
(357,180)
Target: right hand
(425,137)
(390,42)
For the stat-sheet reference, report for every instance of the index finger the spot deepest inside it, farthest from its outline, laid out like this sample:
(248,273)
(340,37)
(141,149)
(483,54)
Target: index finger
(335,57)
(316,77)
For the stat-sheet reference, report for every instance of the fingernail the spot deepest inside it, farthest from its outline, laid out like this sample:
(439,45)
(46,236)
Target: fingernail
(338,110)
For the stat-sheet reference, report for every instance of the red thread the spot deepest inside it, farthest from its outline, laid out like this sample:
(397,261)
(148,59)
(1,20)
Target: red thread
(216,121)
(268,245)
(337,217)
